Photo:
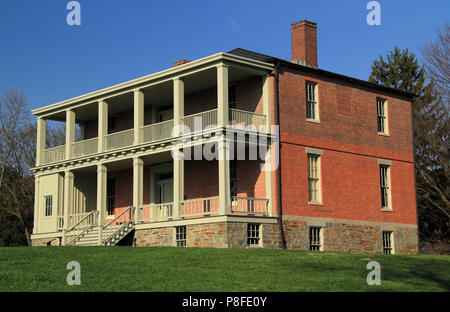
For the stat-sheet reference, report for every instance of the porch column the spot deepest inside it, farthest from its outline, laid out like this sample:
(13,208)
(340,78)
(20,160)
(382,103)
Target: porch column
(68,202)
(138,182)
(40,139)
(266,102)
(70,132)
(178,186)
(222,95)
(101,198)
(138,116)
(102,125)
(37,210)
(269,166)
(224,177)
(178,104)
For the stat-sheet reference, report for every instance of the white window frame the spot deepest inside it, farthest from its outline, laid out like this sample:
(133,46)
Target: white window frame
(382,114)
(388,242)
(180,236)
(385,186)
(312,98)
(48,200)
(316,238)
(317,199)
(254,234)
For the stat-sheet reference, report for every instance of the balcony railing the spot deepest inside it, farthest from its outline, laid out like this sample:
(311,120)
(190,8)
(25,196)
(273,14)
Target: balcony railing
(198,122)
(162,130)
(200,207)
(249,206)
(157,131)
(54,154)
(85,147)
(155,212)
(119,139)
(245,119)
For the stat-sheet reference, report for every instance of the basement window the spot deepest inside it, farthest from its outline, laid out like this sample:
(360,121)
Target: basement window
(388,242)
(315,238)
(253,234)
(180,236)
(312,106)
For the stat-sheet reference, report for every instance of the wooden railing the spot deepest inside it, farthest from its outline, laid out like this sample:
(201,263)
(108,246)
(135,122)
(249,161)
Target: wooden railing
(120,221)
(245,119)
(198,122)
(156,212)
(82,226)
(85,147)
(157,131)
(200,207)
(249,205)
(54,154)
(119,139)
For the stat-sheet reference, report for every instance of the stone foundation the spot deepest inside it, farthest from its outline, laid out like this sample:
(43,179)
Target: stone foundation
(52,241)
(342,236)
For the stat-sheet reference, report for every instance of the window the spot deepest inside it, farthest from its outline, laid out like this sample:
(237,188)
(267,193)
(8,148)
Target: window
(315,238)
(385,187)
(388,242)
(233,178)
(312,107)
(111,125)
(48,205)
(111,192)
(314,186)
(253,237)
(382,116)
(180,236)
(232,96)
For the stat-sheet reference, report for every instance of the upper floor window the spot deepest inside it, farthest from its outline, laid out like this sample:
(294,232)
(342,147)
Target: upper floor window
(232,96)
(48,205)
(385,185)
(382,119)
(314,185)
(111,125)
(312,106)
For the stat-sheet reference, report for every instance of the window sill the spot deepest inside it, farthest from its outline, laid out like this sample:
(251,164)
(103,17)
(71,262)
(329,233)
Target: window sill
(383,134)
(313,120)
(316,203)
(387,209)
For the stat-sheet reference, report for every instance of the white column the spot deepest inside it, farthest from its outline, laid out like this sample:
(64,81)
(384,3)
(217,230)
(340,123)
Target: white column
(70,132)
(224,177)
(37,209)
(222,95)
(68,201)
(178,103)
(269,180)
(102,125)
(138,116)
(266,102)
(138,186)
(178,186)
(40,139)
(101,198)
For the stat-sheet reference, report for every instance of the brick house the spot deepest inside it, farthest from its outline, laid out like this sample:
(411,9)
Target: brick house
(276,153)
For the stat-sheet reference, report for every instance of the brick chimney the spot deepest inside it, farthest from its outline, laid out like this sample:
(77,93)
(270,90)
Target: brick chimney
(180,62)
(304,43)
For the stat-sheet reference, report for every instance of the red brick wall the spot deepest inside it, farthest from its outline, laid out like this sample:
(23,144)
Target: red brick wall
(347,133)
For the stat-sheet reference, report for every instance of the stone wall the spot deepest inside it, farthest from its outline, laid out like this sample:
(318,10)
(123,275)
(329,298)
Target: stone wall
(51,241)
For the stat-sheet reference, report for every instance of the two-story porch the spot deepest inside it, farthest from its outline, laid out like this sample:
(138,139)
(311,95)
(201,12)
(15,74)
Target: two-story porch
(118,173)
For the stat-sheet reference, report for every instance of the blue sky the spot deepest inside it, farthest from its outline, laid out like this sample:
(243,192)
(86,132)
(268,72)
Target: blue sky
(121,40)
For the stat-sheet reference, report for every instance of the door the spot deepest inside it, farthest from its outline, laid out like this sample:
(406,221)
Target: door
(165,195)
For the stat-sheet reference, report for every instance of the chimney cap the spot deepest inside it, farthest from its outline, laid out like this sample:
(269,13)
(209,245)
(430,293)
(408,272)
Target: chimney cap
(180,62)
(304,22)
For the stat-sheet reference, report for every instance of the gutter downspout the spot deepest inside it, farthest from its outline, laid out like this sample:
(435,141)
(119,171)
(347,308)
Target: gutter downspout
(279,190)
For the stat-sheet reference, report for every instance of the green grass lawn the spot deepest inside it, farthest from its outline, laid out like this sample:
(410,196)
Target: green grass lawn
(195,269)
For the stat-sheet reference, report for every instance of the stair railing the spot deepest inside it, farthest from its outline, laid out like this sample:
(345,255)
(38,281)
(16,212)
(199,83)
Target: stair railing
(91,220)
(124,218)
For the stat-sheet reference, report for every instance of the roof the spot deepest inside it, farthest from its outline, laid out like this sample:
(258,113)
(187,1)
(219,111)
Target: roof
(270,59)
